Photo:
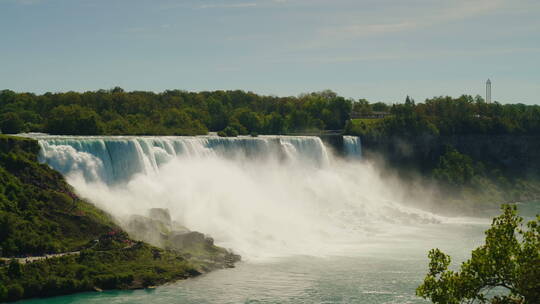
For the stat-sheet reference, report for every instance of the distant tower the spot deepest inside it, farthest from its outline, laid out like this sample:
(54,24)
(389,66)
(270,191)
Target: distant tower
(488,91)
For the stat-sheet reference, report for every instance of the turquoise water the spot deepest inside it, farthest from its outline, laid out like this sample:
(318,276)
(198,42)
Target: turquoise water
(292,280)
(387,273)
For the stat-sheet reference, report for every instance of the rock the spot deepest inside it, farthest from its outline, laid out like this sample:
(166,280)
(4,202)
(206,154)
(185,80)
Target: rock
(209,241)
(162,215)
(181,240)
(147,229)
(177,227)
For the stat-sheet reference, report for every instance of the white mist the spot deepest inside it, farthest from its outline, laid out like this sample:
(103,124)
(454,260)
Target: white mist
(261,197)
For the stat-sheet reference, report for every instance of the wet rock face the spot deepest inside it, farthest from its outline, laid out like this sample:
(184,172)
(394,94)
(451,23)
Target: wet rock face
(147,229)
(182,240)
(159,230)
(160,214)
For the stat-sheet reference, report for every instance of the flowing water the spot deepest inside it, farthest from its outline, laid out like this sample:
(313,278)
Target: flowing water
(311,226)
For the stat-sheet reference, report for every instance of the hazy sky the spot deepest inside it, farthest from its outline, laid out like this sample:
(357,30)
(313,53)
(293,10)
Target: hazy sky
(381,50)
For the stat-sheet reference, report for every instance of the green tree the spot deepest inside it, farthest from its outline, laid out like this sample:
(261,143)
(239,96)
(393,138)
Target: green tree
(249,119)
(15,292)
(275,124)
(380,106)
(298,121)
(74,119)
(3,292)
(509,261)
(14,269)
(228,132)
(454,168)
(11,123)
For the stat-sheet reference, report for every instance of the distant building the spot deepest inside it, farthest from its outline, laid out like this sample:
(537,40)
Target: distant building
(488,91)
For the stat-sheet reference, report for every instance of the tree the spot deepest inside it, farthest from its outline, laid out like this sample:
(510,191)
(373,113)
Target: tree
(249,119)
(454,168)
(11,123)
(14,269)
(275,124)
(380,106)
(74,119)
(15,292)
(228,132)
(3,292)
(509,261)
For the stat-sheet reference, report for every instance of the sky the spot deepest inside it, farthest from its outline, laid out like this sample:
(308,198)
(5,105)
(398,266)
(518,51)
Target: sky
(381,50)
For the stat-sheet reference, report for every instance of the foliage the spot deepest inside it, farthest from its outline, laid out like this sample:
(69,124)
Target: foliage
(228,132)
(448,116)
(39,213)
(454,168)
(11,123)
(508,264)
(73,120)
(137,266)
(116,112)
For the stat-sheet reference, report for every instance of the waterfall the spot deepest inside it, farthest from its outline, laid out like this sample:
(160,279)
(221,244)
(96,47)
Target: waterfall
(117,159)
(352,146)
(261,196)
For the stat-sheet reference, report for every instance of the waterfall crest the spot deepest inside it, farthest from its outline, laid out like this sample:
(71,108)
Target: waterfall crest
(117,159)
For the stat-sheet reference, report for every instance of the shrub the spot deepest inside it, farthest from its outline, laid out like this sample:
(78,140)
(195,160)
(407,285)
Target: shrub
(15,292)
(509,260)
(14,269)
(228,132)
(11,123)
(3,292)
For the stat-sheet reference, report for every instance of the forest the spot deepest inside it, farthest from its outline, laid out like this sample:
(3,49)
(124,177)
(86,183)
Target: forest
(174,112)
(445,116)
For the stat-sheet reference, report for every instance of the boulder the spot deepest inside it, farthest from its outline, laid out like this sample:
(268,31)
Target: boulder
(162,215)
(182,240)
(177,227)
(147,229)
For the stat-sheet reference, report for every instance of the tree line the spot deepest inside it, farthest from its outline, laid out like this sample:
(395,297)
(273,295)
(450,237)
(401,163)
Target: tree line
(447,116)
(176,112)
(173,112)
